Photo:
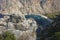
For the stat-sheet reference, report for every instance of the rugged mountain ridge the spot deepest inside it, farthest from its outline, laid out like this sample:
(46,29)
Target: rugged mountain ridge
(29,6)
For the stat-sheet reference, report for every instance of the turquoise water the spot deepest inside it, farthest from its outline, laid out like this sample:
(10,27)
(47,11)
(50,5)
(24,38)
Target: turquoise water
(40,20)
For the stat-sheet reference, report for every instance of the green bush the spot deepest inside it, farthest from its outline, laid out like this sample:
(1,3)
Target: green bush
(1,38)
(57,35)
(51,15)
(7,36)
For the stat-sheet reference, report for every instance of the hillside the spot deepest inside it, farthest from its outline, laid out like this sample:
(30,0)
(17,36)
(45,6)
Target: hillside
(29,6)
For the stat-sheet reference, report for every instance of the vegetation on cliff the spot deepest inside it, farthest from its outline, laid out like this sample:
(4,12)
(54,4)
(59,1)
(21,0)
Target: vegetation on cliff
(7,36)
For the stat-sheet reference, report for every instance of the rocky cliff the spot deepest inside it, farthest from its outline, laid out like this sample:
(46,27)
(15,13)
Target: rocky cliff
(13,12)
(29,6)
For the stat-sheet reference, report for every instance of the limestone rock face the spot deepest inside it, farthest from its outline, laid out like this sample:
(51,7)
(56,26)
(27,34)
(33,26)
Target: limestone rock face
(29,24)
(29,6)
(19,26)
(50,6)
(28,35)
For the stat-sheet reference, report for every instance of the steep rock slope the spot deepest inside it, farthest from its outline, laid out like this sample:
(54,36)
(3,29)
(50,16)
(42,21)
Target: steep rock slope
(29,6)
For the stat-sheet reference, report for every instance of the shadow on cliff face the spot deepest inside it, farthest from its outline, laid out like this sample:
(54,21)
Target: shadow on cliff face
(50,32)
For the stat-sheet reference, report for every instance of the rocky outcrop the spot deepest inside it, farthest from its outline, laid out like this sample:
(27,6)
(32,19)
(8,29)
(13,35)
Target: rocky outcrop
(19,26)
